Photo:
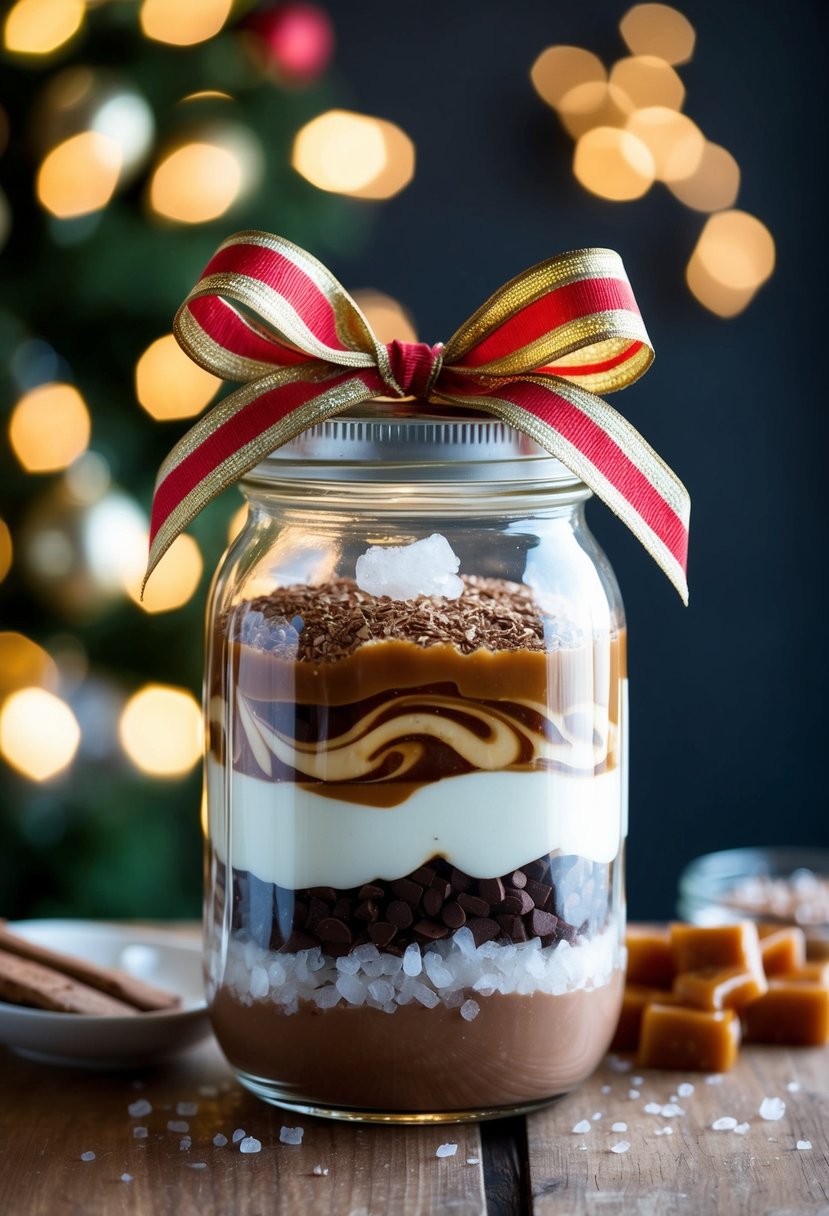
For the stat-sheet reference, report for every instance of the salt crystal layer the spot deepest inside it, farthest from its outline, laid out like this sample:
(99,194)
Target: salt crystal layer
(404,572)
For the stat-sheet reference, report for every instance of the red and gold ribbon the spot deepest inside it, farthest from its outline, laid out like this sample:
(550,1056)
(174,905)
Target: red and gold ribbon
(535,355)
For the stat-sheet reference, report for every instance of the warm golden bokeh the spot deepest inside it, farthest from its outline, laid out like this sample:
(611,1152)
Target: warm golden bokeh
(714,185)
(39,734)
(183,22)
(24,664)
(674,141)
(79,175)
(613,164)
(658,29)
(388,318)
(355,154)
(174,579)
(196,183)
(736,249)
(6,549)
(594,105)
(648,81)
(161,730)
(716,297)
(559,69)
(49,428)
(237,521)
(37,27)
(168,384)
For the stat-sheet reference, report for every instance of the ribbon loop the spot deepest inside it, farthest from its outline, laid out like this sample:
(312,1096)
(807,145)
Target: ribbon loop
(269,315)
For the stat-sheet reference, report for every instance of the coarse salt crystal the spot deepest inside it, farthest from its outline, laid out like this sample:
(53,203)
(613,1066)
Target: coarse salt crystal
(633,1094)
(185,1142)
(187,1108)
(140,1133)
(126,1177)
(804,1145)
(177,1125)
(714,1079)
(404,572)
(670,1110)
(793,1087)
(139,1108)
(742,1129)
(581,1127)
(637,1081)
(619,1127)
(412,960)
(664,1131)
(291,1135)
(320,1171)
(219,1140)
(725,1124)
(239,1134)
(653,1108)
(621,1147)
(446,1150)
(470,1010)
(250,1145)
(607,1089)
(685,1089)
(597,1115)
(618,1064)
(772,1109)
(88,1156)
(477,1160)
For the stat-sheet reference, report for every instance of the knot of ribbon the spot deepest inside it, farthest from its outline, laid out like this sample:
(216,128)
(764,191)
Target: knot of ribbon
(535,355)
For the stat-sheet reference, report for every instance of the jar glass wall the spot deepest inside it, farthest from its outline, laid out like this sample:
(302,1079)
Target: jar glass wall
(416,805)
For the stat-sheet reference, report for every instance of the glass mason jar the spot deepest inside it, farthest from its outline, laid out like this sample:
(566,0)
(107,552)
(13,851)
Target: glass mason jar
(416,800)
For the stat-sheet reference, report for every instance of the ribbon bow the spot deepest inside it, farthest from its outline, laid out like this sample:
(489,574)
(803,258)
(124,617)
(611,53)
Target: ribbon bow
(535,355)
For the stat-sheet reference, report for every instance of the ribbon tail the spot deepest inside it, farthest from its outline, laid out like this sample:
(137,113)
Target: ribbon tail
(236,435)
(596,443)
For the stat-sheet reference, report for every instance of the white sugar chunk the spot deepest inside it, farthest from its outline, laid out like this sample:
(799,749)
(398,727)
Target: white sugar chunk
(250,1145)
(412,960)
(464,941)
(621,1147)
(581,1127)
(726,1123)
(291,1135)
(140,1133)
(239,1134)
(219,1140)
(404,572)
(352,988)
(139,1108)
(424,995)
(804,1145)
(685,1089)
(772,1109)
(742,1129)
(381,991)
(349,964)
(470,1010)
(619,1127)
(446,1150)
(187,1108)
(88,1156)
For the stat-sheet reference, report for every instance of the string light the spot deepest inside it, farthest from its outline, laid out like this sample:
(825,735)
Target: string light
(648,81)
(38,27)
(6,549)
(658,29)
(388,318)
(39,734)
(49,428)
(673,140)
(24,664)
(196,183)
(559,69)
(174,580)
(168,384)
(613,163)
(594,105)
(161,730)
(183,22)
(714,184)
(355,154)
(79,175)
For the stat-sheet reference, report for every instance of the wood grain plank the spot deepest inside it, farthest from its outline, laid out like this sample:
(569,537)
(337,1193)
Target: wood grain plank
(49,1116)
(693,1171)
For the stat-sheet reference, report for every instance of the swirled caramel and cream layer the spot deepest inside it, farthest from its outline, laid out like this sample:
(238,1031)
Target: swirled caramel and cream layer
(373,735)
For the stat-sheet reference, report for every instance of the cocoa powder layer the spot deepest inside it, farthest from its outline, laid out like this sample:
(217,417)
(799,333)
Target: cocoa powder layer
(518,1050)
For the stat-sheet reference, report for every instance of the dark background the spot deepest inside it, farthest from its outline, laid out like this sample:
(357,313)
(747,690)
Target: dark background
(727,696)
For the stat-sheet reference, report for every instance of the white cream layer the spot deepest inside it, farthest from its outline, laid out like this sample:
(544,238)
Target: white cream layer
(483,823)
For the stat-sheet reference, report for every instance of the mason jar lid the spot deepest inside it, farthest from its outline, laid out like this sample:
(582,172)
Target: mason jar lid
(385,441)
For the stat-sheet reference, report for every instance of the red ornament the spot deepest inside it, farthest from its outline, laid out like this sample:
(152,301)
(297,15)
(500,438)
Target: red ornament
(297,40)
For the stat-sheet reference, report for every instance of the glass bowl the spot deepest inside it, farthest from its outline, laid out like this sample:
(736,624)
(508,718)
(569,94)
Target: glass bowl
(787,886)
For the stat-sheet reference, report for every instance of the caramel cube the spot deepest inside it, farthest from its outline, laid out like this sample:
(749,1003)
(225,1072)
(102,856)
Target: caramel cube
(722,946)
(781,948)
(650,957)
(636,997)
(809,973)
(817,950)
(792,1011)
(719,987)
(675,1037)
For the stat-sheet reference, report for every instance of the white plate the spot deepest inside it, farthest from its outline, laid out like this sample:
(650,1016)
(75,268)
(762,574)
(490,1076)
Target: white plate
(159,957)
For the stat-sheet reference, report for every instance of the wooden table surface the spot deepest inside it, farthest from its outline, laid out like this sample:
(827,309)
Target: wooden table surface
(675,1163)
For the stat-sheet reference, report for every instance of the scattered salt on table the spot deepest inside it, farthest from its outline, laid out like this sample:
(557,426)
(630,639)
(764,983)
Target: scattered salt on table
(606,1089)
(239,1134)
(633,1094)
(185,1143)
(793,1087)
(621,1147)
(291,1135)
(581,1127)
(772,1109)
(320,1171)
(726,1124)
(446,1150)
(637,1081)
(89,1156)
(714,1079)
(177,1125)
(803,1145)
(250,1145)
(196,1165)
(653,1108)
(742,1129)
(139,1108)
(664,1131)
(126,1177)
(670,1110)
(477,1160)
(140,1133)
(597,1115)
(219,1140)
(618,1064)
(619,1127)
(685,1089)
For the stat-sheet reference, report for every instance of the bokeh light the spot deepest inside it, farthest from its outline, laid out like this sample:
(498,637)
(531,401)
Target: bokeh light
(592,105)
(24,664)
(39,734)
(355,154)
(37,27)
(658,29)
(386,316)
(169,384)
(715,296)
(79,175)
(49,428)
(161,730)
(674,141)
(196,183)
(734,256)
(559,69)
(183,22)
(174,579)
(613,164)
(237,521)
(648,81)
(88,478)
(715,183)
(6,549)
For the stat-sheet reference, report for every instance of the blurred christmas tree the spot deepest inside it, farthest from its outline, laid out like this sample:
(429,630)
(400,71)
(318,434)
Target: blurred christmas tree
(136,136)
